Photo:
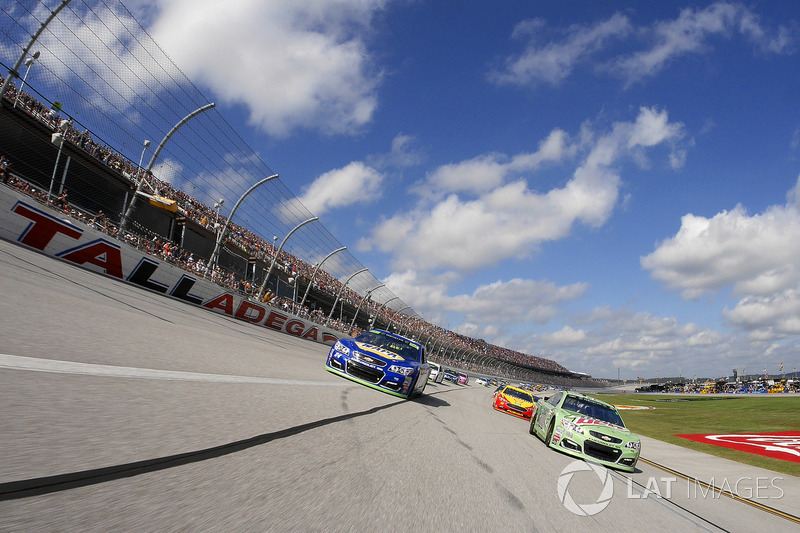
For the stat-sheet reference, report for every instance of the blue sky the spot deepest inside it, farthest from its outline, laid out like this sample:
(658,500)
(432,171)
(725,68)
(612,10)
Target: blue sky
(611,185)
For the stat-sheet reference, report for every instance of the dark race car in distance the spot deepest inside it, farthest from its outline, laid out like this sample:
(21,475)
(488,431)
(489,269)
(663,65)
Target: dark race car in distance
(450,375)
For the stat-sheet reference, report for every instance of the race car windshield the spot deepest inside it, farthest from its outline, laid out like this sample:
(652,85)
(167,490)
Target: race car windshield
(407,350)
(518,394)
(594,410)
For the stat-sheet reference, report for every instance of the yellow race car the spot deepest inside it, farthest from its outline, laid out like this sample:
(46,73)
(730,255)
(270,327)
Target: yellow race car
(515,401)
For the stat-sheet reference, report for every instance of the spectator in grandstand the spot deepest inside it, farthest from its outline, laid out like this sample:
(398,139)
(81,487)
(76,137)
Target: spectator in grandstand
(62,202)
(5,171)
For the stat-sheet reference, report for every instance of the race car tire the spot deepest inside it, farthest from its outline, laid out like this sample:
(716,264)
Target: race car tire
(550,430)
(423,388)
(531,429)
(411,394)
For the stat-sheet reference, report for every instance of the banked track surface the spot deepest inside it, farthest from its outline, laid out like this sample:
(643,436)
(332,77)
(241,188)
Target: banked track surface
(173,418)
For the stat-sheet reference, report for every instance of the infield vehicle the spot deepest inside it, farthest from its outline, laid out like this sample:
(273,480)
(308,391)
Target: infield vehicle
(588,428)
(515,401)
(383,361)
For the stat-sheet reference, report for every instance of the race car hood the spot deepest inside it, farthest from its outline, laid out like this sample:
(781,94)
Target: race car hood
(588,422)
(517,401)
(380,352)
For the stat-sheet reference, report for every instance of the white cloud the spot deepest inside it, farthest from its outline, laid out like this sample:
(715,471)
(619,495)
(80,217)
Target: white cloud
(505,220)
(565,336)
(502,302)
(484,173)
(778,314)
(689,33)
(403,153)
(756,255)
(353,183)
(652,127)
(705,337)
(605,340)
(553,62)
(293,64)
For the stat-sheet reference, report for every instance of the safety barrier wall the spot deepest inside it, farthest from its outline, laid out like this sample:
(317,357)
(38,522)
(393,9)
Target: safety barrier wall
(31,224)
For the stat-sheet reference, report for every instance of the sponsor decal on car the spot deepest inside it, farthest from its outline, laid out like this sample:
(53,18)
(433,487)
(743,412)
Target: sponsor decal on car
(557,434)
(379,351)
(594,422)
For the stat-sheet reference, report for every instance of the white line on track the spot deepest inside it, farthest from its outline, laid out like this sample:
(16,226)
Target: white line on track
(34,364)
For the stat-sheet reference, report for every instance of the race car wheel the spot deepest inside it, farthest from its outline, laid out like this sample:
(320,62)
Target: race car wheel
(531,429)
(411,393)
(423,388)
(550,430)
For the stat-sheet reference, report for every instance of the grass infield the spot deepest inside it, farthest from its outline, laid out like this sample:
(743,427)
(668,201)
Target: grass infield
(688,414)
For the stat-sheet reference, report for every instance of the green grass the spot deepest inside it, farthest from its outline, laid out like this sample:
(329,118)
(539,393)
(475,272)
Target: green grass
(712,414)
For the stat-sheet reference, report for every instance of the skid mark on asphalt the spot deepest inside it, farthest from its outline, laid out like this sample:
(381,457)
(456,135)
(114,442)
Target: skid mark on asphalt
(45,485)
(483,465)
(464,444)
(510,497)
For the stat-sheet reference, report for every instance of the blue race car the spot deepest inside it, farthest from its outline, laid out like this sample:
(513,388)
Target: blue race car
(383,361)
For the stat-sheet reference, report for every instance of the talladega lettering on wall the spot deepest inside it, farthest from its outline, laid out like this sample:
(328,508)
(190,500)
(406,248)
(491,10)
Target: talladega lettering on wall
(39,228)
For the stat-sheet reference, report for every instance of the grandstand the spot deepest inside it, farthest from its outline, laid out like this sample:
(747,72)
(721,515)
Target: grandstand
(108,104)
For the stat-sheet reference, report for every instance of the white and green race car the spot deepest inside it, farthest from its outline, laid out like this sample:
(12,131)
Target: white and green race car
(587,428)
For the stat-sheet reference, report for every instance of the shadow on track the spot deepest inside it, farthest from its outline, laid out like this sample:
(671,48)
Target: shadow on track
(15,490)
(44,485)
(430,399)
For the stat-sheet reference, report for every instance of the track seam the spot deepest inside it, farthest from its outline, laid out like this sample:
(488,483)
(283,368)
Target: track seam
(729,494)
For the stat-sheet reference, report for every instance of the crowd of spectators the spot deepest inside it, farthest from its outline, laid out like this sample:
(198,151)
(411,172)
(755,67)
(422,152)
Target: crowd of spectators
(764,385)
(240,238)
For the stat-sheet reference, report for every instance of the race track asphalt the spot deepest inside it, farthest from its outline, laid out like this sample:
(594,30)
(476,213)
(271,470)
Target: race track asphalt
(123,410)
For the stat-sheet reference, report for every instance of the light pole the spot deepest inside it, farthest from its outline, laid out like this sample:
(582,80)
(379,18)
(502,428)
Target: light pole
(314,275)
(293,283)
(377,314)
(58,140)
(217,206)
(405,322)
(221,235)
(132,205)
(389,325)
(278,252)
(139,176)
(28,63)
(366,296)
(342,288)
